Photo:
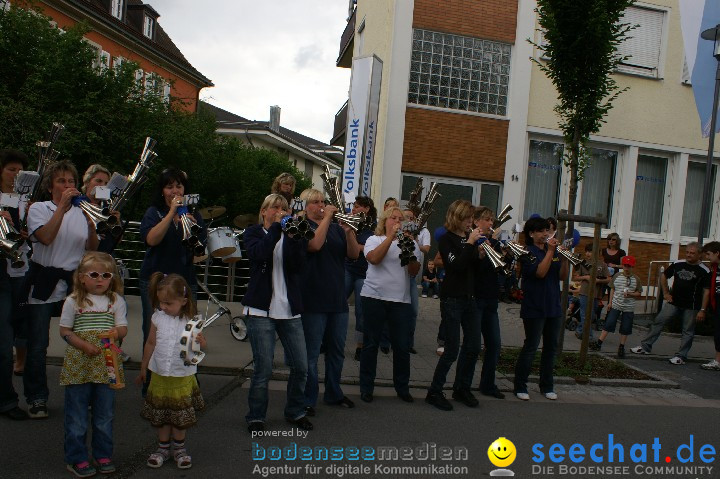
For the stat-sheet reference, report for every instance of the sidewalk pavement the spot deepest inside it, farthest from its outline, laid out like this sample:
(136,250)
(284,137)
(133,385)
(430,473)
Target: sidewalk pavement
(225,355)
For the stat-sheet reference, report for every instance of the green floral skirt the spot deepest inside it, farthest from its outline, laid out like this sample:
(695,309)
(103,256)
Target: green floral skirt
(171,400)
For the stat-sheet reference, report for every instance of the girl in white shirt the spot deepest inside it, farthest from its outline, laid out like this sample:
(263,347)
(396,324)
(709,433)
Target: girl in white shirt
(173,395)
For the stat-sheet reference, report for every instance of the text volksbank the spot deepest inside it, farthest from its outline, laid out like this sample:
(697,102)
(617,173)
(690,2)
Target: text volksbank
(351,156)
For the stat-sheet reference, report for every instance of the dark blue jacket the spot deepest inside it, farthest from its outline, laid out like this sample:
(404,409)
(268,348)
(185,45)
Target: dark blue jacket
(260,247)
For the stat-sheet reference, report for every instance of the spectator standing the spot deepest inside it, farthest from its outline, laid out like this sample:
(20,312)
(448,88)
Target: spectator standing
(711,300)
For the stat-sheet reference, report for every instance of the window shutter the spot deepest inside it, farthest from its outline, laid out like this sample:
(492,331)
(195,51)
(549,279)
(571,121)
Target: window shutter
(166,91)
(149,82)
(104,60)
(139,77)
(643,43)
(685,73)
(117,62)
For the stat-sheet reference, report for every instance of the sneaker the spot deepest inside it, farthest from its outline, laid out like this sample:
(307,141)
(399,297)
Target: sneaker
(639,350)
(440,350)
(105,466)
(438,400)
(677,361)
(713,365)
(465,397)
(38,410)
(523,396)
(435,296)
(82,469)
(424,295)
(621,351)
(551,395)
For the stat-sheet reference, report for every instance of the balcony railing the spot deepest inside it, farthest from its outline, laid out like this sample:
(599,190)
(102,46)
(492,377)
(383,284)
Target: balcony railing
(338,138)
(227,281)
(346,43)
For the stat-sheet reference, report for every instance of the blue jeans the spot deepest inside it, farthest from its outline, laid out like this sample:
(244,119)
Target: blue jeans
(535,328)
(330,329)
(415,304)
(458,313)
(261,332)
(354,283)
(19,312)
(430,289)
(35,377)
(583,300)
(667,313)
(77,399)
(626,321)
(490,327)
(398,318)
(8,396)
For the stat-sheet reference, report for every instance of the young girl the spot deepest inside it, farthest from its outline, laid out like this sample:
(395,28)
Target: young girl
(95,306)
(173,395)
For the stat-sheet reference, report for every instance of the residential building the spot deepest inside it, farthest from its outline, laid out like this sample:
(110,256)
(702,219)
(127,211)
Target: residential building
(307,154)
(462,104)
(128,30)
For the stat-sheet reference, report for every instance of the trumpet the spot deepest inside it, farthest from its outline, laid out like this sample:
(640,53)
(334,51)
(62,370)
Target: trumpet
(413,203)
(426,208)
(190,232)
(407,247)
(101,217)
(502,217)
(7,230)
(332,188)
(297,228)
(138,176)
(574,259)
(11,249)
(46,155)
(495,258)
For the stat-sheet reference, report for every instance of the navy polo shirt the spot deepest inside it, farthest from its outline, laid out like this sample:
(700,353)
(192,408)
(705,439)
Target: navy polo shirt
(323,281)
(541,296)
(358,267)
(170,255)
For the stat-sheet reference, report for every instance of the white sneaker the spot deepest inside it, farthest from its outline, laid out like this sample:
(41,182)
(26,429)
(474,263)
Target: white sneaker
(440,350)
(638,350)
(677,360)
(551,396)
(435,296)
(712,365)
(523,396)
(424,295)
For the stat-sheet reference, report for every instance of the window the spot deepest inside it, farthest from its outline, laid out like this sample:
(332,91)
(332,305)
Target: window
(117,63)
(139,78)
(643,44)
(117,9)
(166,92)
(308,169)
(148,26)
(543,178)
(458,72)
(4,5)
(649,194)
(694,188)
(598,184)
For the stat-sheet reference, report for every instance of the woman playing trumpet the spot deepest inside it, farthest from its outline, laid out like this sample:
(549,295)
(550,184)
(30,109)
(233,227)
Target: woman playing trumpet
(162,232)
(386,299)
(540,310)
(97,175)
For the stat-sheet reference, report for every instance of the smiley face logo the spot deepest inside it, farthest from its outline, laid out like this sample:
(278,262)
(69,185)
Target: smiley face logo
(502,452)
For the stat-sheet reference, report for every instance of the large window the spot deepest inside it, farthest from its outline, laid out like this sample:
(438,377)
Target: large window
(649,198)
(598,184)
(543,178)
(694,188)
(117,9)
(148,26)
(458,72)
(643,44)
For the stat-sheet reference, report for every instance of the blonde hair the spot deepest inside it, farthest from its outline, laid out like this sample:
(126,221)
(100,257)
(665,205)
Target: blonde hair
(459,211)
(281,179)
(311,194)
(90,260)
(483,212)
(272,200)
(380,228)
(176,287)
(92,171)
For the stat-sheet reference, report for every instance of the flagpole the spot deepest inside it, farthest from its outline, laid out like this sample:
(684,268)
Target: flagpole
(710,34)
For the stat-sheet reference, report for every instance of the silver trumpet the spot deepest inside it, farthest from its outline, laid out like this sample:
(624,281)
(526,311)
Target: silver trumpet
(332,189)
(7,230)
(413,203)
(46,155)
(426,208)
(190,232)
(574,259)
(407,248)
(520,252)
(502,217)
(297,228)
(495,258)
(101,217)
(138,176)
(11,249)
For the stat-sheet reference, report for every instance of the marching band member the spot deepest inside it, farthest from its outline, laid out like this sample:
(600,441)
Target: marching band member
(540,309)
(61,234)
(273,304)
(325,314)
(97,175)
(386,300)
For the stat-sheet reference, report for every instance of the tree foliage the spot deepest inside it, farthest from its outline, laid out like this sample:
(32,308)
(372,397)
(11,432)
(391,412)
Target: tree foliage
(48,75)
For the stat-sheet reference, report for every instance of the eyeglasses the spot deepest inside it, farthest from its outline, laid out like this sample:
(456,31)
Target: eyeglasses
(96,275)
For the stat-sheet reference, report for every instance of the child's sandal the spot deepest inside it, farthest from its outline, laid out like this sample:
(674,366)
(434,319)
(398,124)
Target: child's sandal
(183,460)
(158,458)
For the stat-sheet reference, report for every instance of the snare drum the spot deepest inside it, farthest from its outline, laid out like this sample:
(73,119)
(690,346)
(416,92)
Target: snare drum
(221,241)
(236,256)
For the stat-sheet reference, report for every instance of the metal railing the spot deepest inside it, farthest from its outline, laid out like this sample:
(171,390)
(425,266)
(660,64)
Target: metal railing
(340,125)
(227,281)
(345,40)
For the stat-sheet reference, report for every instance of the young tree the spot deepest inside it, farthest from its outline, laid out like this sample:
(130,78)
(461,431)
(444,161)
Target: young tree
(580,40)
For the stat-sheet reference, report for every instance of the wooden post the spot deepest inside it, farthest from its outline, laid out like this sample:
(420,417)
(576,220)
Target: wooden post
(590,308)
(565,288)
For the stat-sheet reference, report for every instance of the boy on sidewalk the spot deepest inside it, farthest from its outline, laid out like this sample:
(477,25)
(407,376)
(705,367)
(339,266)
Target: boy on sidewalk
(625,288)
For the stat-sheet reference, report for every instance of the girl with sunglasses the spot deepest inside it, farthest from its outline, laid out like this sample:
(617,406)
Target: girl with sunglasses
(95,307)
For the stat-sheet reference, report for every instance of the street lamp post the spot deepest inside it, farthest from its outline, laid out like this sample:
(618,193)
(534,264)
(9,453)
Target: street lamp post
(714,35)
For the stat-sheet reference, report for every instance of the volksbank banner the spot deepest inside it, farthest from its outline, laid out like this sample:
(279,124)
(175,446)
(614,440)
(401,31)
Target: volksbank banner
(362,114)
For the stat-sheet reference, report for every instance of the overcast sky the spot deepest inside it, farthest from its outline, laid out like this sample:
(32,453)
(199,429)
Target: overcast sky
(278,52)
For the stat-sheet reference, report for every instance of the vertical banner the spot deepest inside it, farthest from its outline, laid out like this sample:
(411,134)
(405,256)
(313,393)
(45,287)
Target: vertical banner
(362,113)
